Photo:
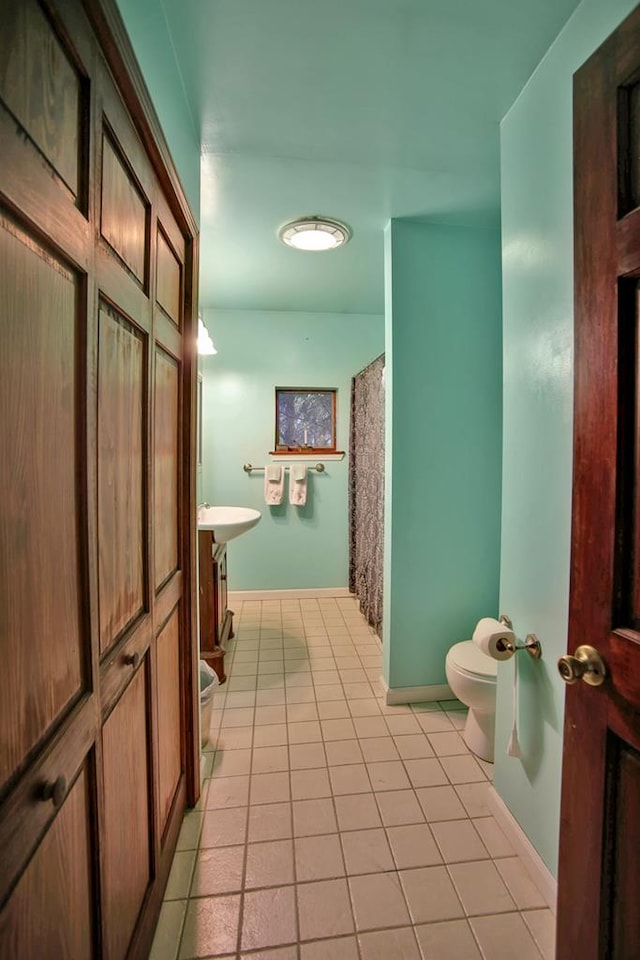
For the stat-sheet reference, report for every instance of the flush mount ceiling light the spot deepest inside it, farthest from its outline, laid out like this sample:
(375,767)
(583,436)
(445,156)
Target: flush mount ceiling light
(315,233)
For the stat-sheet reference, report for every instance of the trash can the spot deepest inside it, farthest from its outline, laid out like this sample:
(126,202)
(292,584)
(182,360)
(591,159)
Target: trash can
(208,683)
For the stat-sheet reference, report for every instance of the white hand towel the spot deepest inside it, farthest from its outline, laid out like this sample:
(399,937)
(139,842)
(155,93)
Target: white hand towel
(273,484)
(298,484)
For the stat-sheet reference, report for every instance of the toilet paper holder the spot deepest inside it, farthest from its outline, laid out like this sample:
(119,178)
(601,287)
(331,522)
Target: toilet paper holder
(531,643)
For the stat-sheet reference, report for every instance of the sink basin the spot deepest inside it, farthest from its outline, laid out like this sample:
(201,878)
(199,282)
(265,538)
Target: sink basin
(227,522)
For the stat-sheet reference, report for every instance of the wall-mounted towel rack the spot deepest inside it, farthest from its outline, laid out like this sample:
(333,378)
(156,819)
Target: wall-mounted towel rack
(318,467)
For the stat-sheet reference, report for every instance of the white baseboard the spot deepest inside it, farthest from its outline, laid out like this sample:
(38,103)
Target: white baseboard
(313,593)
(431,691)
(531,859)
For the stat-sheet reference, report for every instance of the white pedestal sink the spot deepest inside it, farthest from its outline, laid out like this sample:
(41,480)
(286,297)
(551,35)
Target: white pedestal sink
(216,526)
(227,523)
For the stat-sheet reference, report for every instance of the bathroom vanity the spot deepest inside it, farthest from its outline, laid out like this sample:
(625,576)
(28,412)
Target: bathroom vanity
(216,620)
(216,526)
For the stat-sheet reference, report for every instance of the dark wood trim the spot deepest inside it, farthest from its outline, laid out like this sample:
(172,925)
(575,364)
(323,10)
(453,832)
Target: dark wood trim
(316,452)
(54,222)
(595,429)
(216,620)
(108,25)
(90,428)
(190,664)
(121,663)
(140,945)
(166,599)
(627,244)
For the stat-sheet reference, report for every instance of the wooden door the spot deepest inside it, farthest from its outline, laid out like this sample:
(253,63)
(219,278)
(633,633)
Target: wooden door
(599,876)
(98,691)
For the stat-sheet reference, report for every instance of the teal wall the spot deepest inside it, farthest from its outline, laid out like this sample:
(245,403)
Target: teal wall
(444,366)
(149,34)
(291,547)
(537,245)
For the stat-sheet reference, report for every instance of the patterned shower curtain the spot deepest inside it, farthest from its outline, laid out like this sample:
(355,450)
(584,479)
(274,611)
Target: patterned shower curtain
(366,490)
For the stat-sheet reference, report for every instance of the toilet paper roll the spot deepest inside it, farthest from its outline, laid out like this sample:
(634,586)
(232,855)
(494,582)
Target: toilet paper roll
(493,638)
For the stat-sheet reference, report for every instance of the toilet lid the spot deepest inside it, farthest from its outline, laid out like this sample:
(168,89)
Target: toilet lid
(468,657)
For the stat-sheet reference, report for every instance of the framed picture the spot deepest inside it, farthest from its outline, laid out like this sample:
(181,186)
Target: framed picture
(305,420)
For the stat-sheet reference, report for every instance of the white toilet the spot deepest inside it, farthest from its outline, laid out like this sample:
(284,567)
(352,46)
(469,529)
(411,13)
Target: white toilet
(472,676)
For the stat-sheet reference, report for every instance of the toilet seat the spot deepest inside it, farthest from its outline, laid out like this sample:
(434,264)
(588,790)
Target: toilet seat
(466,658)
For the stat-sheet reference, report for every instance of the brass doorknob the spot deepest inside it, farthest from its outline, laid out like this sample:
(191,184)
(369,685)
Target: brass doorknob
(586,664)
(54,790)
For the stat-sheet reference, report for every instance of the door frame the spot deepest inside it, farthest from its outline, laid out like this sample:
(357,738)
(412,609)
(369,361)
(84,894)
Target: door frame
(107,23)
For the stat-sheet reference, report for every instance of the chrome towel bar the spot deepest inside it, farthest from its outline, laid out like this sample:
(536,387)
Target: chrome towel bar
(318,467)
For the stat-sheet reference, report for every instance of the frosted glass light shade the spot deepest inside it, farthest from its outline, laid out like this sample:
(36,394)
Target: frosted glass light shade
(315,234)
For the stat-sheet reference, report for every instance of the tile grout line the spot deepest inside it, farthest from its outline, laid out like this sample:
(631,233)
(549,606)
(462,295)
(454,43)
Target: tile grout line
(296,906)
(360,647)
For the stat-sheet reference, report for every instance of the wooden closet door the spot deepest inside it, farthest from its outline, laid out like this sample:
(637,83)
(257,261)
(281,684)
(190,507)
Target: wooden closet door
(123,195)
(140,274)
(98,690)
(48,703)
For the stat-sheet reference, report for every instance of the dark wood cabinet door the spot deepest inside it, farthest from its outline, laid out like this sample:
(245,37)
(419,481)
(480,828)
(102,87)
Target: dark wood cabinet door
(126,836)
(216,621)
(48,702)
(207,588)
(43,547)
(99,690)
(221,593)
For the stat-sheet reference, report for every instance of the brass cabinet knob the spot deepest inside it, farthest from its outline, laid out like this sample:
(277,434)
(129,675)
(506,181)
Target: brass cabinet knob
(54,790)
(586,664)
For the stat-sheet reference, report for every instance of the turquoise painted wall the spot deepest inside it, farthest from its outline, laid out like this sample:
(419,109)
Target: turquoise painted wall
(149,34)
(291,547)
(444,363)
(537,255)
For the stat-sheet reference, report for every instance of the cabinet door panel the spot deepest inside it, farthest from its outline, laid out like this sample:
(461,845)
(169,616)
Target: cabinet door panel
(169,726)
(124,212)
(121,384)
(49,913)
(41,577)
(166,466)
(169,279)
(41,87)
(126,862)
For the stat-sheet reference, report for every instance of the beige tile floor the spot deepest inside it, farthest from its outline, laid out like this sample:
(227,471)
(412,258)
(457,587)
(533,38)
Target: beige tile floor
(334,827)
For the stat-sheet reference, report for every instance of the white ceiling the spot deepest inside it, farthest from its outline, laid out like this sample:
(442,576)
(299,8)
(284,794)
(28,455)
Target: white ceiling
(360,110)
